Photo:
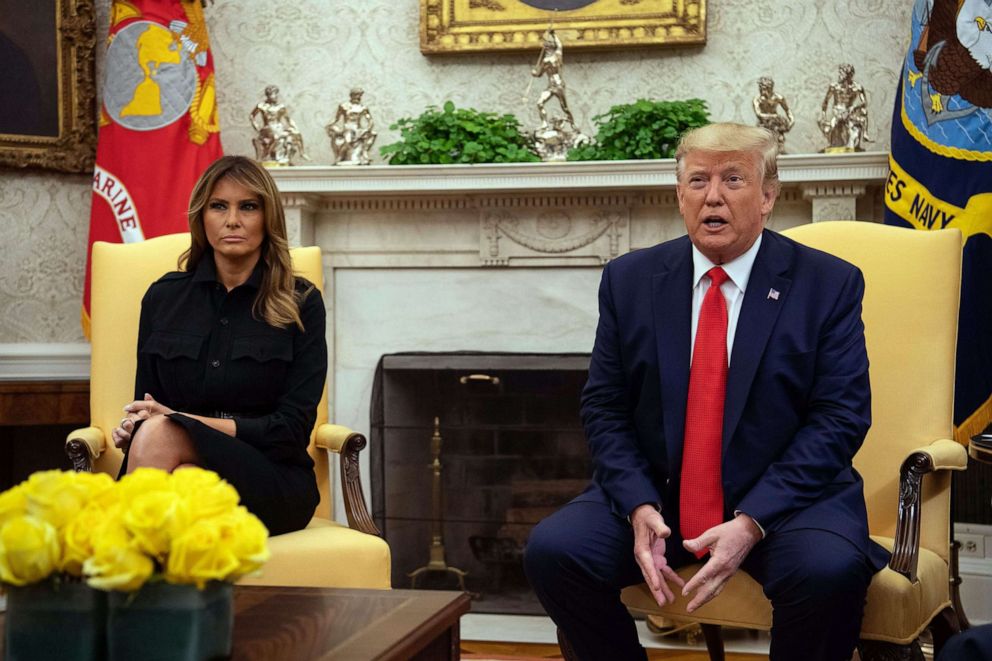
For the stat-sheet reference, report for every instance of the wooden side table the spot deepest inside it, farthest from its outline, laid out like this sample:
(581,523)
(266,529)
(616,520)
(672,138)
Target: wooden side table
(980,448)
(347,624)
(304,624)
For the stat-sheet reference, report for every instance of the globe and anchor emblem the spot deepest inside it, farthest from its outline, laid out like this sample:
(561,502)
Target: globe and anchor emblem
(150,82)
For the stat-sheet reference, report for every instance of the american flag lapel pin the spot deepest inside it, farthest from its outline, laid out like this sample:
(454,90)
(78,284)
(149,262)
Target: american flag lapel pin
(773,294)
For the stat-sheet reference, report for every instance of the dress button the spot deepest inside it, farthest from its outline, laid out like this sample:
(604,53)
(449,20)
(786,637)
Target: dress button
(223,321)
(215,363)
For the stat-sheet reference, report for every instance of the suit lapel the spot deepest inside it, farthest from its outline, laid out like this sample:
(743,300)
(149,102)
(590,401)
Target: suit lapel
(759,312)
(672,300)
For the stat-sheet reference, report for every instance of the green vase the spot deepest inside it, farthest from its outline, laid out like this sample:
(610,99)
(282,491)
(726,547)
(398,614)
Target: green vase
(55,620)
(170,622)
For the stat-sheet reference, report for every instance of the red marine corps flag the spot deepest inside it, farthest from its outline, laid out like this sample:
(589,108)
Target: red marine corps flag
(158,123)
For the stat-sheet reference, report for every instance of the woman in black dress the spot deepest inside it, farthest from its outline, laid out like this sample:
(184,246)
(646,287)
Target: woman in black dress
(231,353)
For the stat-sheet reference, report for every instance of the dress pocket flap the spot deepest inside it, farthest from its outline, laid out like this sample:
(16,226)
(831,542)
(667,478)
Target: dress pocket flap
(170,345)
(262,348)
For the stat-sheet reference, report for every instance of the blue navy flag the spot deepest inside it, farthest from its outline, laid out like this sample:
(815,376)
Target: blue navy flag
(941,172)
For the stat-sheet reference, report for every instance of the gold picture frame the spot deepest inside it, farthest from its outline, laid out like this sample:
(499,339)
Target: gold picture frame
(48,117)
(467,26)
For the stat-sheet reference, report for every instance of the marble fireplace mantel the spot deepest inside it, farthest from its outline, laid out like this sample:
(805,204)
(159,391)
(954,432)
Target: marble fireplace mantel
(546,214)
(331,181)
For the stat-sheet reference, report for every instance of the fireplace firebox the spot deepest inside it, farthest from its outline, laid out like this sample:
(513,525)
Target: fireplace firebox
(468,452)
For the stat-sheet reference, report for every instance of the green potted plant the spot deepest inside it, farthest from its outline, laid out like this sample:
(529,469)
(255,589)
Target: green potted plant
(640,130)
(458,135)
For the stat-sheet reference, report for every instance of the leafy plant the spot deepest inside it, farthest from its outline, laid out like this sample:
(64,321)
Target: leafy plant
(452,135)
(643,129)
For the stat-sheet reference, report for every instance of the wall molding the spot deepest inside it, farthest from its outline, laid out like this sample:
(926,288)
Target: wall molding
(975,567)
(40,361)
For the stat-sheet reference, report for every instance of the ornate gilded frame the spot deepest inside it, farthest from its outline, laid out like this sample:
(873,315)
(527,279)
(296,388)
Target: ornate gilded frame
(466,26)
(74,148)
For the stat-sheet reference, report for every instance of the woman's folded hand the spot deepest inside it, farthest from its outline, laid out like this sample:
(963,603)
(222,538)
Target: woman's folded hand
(136,411)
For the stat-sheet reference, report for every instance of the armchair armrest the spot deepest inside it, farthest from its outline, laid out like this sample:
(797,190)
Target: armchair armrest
(946,455)
(942,454)
(348,443)
(83,446)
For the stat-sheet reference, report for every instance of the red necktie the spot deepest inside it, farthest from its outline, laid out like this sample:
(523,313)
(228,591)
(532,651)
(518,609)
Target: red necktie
(701,490)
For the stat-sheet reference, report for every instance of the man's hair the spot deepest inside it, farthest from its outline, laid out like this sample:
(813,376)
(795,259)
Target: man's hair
(728,137)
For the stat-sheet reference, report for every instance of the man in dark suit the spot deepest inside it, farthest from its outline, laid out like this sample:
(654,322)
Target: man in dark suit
(975,644)
(727,395)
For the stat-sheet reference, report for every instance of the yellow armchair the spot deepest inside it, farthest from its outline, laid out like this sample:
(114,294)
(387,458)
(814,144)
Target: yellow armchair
(912,284)
(325,553)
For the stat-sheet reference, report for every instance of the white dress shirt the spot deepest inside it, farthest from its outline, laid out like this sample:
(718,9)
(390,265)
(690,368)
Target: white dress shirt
(738,271)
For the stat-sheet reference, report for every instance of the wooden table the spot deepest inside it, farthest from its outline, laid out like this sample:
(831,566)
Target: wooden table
(980,448)
(323,623)
(298,624)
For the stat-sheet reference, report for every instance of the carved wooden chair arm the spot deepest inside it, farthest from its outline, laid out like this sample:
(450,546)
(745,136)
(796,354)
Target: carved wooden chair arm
(83,446)
(942,454)
(348,443)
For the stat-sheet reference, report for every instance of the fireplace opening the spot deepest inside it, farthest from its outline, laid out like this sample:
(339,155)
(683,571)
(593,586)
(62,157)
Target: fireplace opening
(468,452)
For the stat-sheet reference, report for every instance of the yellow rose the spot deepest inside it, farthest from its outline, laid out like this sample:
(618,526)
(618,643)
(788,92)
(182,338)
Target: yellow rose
(13,502)
(153,518)
(110,530)
(77,538)
(54,496)
(29,550)
(116,563)
(198,556)
(205,493)
(98,488)
(247,538)
(121,568)
(142,480)
(190,478)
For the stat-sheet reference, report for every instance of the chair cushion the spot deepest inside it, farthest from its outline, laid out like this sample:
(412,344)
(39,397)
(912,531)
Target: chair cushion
(328,555)
(741,604)
(896,611)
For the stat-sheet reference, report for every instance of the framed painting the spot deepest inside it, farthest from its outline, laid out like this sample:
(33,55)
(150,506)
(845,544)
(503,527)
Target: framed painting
(47,84)
(466,26)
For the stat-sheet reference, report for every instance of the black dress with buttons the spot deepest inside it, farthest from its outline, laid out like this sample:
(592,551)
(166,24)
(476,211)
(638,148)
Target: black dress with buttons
(201,351)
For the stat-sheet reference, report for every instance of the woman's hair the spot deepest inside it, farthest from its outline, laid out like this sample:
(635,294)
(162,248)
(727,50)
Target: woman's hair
(277,302)
(728,136)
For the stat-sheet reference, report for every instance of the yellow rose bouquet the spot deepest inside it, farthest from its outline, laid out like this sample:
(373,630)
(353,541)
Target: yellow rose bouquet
(185,527)
(162,545)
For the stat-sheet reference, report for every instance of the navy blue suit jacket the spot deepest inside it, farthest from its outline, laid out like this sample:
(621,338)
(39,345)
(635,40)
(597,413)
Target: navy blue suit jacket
(798,402)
